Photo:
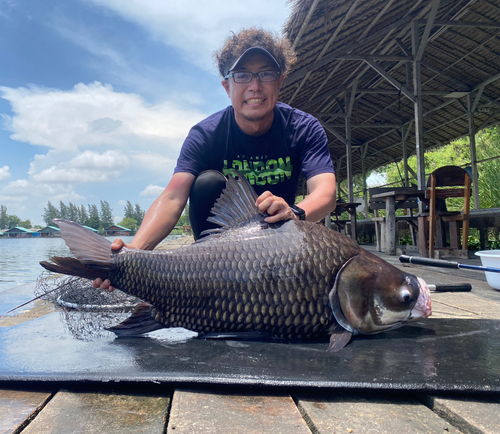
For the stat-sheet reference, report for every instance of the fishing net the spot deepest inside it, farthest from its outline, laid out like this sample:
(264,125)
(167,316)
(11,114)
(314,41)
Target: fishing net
(85,311)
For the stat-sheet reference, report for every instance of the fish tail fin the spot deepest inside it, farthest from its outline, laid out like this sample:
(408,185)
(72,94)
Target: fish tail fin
(141,321)
(73,267)
(94,257)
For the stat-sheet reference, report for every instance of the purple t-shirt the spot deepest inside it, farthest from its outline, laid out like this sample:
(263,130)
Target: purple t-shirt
(296,143)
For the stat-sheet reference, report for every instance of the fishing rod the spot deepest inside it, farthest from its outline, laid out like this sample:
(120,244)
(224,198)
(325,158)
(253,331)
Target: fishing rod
(33,299)
(445,264)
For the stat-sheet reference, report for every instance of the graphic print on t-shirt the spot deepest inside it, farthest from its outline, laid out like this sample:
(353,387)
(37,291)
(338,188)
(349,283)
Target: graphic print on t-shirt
(260,170)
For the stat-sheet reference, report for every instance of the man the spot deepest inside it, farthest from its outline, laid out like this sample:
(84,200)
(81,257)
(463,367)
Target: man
(268,142)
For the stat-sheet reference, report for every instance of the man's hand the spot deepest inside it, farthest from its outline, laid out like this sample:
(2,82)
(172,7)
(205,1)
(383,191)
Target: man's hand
(275,206)
(106,284)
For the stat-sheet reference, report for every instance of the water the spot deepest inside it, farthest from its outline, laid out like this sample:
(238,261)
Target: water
(20,257)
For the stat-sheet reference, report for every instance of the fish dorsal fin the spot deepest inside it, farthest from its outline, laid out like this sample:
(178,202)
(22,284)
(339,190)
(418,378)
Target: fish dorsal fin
(87,246)
(236,205)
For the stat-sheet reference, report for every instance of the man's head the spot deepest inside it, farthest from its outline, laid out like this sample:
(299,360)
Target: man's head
(253,64)
(237,44)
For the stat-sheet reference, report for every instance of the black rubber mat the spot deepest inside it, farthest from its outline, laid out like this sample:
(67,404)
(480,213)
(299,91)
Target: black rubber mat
(433,355)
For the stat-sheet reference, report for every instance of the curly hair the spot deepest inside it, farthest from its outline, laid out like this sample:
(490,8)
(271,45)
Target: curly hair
(236,44)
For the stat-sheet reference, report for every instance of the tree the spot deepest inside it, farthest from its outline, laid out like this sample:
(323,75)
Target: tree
(83,216)
(25,224)
(73,213)
(94,221)
(139,214)
(63,210)
(184,218)
(129,223)
(128,209)
(50,213)
(4,218)
(106,214)
(13,221)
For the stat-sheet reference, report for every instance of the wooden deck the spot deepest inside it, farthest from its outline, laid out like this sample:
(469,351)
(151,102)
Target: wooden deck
(130,408)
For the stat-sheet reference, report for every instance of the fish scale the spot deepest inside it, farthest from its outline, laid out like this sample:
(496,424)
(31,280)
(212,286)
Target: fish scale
(273,287)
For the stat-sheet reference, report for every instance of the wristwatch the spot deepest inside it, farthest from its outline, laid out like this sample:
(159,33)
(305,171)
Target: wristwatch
(299,212)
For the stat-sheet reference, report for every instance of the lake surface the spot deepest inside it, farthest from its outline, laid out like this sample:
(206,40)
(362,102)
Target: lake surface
(19,258)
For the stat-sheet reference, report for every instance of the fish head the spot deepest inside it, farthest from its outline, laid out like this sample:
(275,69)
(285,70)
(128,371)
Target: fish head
(370,296)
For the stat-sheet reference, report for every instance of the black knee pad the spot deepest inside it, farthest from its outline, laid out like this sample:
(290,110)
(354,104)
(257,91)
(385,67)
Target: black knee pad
(206,189)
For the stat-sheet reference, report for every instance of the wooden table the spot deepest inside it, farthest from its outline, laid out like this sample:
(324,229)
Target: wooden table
(350,207)
(394,199)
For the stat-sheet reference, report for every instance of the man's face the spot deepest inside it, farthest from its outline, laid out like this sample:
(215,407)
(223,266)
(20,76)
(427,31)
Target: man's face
(253,102)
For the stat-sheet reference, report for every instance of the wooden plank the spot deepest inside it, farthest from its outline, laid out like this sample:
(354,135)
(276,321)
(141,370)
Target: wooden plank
(468,414)
(359,414)
(18,407)
(194,411)
(101,413)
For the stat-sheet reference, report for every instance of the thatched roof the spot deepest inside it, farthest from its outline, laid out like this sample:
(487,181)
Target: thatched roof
(349,45)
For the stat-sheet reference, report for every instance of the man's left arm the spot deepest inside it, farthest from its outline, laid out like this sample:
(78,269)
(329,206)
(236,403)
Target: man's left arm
(321,199)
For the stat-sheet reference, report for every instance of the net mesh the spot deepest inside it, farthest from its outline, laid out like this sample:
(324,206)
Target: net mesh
(85,311)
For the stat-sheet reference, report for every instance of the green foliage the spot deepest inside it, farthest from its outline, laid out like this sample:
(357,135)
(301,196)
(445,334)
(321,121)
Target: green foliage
(4,219)
(83,217)
(25,224)
(73,213)
(139,214)
(129,210)
(184,218)
(134,213)
(63,210)
(13,221)
(129,223)
(94,221)
(49,213)
(106,214)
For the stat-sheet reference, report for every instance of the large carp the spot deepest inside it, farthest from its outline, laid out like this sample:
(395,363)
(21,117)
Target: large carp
(293,280)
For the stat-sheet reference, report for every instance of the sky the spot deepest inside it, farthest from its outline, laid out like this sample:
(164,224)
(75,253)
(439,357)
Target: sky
(97,96)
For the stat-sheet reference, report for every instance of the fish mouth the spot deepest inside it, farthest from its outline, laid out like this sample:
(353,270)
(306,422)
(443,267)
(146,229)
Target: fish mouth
(422,308)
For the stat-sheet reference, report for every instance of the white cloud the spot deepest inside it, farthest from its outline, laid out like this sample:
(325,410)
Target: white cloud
(152,190)
(154,162)
(22,189)
(198,27)
(94,115)
(4,172)
(89,166)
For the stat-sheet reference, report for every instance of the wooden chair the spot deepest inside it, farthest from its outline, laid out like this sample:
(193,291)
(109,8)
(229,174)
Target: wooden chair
(444,183)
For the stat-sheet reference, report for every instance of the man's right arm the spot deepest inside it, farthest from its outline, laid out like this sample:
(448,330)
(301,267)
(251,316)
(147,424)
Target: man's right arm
(159,220)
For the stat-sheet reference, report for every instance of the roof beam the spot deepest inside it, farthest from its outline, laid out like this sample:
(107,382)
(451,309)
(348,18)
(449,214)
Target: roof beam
(335,133)
(375,57)
(391,80)
(305,23)
(425,37)
(327,45)
(366,125)
(328,59)
(478,25)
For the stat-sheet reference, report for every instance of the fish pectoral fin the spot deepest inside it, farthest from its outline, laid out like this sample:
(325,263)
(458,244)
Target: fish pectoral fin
(141,321)
(339,339)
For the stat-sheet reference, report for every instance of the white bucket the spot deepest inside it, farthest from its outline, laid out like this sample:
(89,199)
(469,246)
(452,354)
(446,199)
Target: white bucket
(491,258)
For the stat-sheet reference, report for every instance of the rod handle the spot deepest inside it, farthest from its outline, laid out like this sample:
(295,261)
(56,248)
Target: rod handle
(457,287)
(428,261)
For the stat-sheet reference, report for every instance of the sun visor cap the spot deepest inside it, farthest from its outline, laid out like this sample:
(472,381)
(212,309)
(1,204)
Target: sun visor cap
(252,50)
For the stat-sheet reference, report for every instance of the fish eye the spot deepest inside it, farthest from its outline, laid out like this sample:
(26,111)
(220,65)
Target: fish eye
(405,295)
